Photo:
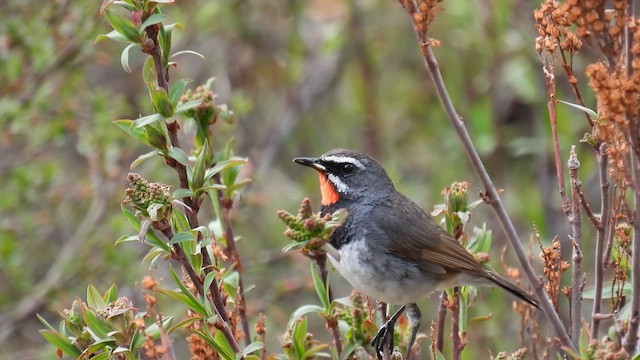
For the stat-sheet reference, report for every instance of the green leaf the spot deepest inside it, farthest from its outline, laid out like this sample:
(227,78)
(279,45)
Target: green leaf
(191,52)
(111,294)
(209,279)
(102,356)
(223,165)
(186,300)
(254,346)
(142,158)
(160,100)
(113,35)
(439,356)
(213,342)
(176,90)
(196,305)
(197,178)
(99,327)
(321,288)
(151,238)
(95,299)
(156,138)
(481,242)
(152,256)
(182,193)
(146,120)
(148,70)
(210,187)
(182,324)
(126,238)
(126,126)
(224,345)
(124,57)
(188,106)
(164,39)
(124,26)
(154,330)
(97,346)
(178,155)
(590,112)
(299,337)
(152,20)
(45,323)
(182,237)
(61,342)
(302,311)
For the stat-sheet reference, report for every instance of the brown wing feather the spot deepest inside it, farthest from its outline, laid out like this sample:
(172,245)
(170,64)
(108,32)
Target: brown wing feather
(423,241)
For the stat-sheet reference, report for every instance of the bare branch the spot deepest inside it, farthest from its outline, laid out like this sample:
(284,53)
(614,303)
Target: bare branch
(600,238)
(575,220)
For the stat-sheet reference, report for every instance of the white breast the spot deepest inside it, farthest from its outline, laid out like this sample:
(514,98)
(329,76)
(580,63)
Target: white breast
(381,276)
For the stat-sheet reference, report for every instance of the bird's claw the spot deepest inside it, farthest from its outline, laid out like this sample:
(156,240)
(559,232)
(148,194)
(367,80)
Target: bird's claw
(384,336)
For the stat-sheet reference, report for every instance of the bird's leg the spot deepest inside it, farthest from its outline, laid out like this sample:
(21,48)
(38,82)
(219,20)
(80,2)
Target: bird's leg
(385,333)
(414,315)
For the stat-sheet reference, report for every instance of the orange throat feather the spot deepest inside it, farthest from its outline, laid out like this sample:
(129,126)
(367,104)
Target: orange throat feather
(329,194)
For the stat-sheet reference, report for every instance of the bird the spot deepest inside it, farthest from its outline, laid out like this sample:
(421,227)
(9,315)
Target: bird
(389,248)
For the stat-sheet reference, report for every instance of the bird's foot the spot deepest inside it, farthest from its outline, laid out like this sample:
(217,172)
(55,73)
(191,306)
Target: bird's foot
(384,336)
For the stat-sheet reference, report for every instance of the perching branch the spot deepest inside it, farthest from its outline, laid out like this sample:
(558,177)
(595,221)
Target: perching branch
(491,192)
(575,220)
(456,342)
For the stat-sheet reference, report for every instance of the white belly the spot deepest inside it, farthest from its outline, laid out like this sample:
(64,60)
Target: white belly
(380,276)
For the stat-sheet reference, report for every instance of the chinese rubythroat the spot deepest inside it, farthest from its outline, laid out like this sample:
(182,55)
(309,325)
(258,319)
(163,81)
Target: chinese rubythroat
(389,248)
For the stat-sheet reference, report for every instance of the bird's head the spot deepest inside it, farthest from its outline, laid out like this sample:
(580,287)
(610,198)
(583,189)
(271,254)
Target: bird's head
(348,175)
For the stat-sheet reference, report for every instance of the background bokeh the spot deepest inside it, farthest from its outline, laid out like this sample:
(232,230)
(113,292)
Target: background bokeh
(303,77)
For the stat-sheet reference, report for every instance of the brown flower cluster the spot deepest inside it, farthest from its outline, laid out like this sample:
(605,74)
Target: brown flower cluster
(198,347)
(566,25)
(563,28)
(425,14)
(553,23)
(554,267)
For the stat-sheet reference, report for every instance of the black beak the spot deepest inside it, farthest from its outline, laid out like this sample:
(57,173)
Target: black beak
(310,162)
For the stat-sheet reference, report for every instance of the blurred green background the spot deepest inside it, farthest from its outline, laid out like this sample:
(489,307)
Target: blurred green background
(303,77)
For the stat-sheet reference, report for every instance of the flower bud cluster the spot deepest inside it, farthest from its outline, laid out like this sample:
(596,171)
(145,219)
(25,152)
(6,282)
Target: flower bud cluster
(151,200)
(206,111)
(310,230)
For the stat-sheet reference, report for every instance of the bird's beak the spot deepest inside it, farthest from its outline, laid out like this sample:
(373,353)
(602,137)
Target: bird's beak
(310,162)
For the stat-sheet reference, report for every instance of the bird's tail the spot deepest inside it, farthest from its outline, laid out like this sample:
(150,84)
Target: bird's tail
(513,289)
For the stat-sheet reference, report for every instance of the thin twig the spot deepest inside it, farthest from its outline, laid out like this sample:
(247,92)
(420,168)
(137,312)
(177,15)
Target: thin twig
(631,338)
(456,342)
(443,94)
(550,85)
(225,213)
(603,159)
(442,316)
(575,219)
(593,218)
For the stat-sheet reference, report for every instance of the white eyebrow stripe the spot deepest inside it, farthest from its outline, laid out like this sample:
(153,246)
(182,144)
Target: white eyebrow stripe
(341,187)
(344,159)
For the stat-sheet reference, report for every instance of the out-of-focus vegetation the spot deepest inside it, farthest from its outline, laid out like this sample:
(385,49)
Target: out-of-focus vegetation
(302,77)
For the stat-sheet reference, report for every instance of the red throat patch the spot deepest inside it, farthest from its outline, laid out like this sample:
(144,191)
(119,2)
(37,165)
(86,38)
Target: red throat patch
(328,191)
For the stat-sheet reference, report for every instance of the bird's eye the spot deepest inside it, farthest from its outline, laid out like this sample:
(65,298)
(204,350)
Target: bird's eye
(347,168)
